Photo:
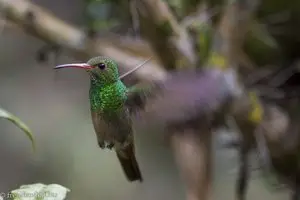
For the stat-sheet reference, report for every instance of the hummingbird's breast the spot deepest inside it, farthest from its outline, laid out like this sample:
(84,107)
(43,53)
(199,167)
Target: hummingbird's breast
(113,127)
(111,118)
(109,98)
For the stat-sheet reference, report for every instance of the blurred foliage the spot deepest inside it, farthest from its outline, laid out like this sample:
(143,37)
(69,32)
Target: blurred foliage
(264,45)
(39,191)
(176,6)
(271,181)
(98,14)
(260,45)
(6,115)
(105,14)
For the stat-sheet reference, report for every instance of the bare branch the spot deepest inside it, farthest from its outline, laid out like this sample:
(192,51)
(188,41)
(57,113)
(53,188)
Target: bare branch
(7,25)
(170,41)
(44,25)
(202,15)
(232,30)
(193,155)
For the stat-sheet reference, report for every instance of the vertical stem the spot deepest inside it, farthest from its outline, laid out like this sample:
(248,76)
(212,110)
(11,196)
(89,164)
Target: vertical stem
(193,155)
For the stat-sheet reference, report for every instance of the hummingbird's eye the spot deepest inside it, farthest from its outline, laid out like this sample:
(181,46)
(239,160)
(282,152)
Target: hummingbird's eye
(101,66)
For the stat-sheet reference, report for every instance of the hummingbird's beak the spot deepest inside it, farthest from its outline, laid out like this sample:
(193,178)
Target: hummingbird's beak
(74,65)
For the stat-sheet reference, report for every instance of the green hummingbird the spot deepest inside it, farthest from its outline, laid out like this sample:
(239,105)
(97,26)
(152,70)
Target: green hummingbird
(110,113)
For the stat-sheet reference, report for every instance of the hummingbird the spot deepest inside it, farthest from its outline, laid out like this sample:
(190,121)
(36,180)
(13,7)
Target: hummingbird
(109,111)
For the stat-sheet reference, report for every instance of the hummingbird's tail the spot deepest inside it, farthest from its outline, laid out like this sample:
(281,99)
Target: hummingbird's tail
(129,164)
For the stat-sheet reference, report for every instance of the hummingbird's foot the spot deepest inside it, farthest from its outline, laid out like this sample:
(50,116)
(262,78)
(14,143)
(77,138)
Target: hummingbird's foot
(110,145)
(101,144)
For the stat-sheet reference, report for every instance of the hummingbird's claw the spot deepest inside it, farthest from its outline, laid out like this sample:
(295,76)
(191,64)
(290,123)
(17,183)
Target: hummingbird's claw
(101,144)
(104,144)
(110,145)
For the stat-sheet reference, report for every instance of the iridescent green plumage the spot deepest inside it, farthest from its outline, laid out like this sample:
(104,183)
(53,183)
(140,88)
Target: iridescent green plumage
(110,113)
(107,98)
(107,91)
(108,75)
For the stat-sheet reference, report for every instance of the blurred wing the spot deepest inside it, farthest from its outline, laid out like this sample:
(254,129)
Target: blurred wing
(186,96)
(138,94)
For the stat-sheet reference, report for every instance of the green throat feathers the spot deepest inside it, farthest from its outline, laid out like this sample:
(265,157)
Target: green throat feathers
(107,98)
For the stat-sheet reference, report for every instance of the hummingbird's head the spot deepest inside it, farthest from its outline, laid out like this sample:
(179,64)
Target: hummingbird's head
(101,69)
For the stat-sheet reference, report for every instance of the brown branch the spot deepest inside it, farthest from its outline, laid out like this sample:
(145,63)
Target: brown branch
(5,24)
(201,28)
(45,26)
(228,42)
(193,155)
(170,41)
(232,30)
(202,15)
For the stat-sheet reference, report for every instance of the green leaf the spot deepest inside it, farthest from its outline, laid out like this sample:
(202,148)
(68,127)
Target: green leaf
(260,32)
(6,115)
(39,191)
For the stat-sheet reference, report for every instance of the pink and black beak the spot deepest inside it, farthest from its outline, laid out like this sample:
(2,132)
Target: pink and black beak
(75,65)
